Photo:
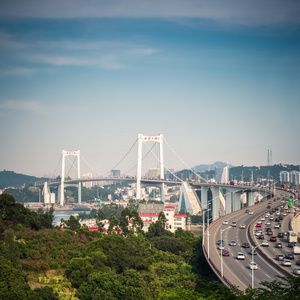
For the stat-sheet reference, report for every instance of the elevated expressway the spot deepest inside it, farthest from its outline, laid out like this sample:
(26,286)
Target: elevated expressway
(236,272)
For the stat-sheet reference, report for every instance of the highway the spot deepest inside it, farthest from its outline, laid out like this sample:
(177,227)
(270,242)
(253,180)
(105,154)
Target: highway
(236,272)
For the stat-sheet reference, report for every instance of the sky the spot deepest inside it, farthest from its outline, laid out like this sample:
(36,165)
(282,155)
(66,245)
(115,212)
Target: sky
(219,79)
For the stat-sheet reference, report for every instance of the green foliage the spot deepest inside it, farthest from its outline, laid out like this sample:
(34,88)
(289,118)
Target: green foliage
(13,283)
(45,293)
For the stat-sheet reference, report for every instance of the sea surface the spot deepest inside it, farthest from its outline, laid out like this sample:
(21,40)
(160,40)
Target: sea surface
(65,214)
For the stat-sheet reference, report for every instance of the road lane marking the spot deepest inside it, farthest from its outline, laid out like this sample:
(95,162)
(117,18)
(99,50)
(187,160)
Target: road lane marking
(223,260)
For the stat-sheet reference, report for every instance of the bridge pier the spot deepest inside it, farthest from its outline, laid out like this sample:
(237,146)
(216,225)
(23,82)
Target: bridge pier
(250,198)
(228,202)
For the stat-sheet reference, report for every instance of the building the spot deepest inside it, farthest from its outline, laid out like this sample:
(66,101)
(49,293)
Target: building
(174,220)
(153,173)
(295,177)
(222,174)
(284,176)
(88,184)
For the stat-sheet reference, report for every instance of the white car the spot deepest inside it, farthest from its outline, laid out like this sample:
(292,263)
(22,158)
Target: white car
(221,246)
(253,265)
(286,263)
(265,243)
(240,255)
(232,243)
(233,224)
(276,226)
(250,213)
(225,222)
(258,232)
(262,218)
(296,271)
(242,226)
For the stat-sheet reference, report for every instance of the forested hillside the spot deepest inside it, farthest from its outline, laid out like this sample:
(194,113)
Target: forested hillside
(12,179)
(39,262)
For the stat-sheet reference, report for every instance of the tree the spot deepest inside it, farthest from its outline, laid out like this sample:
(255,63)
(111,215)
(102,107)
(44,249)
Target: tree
(13,283)
(113,224)
(46,217)
(162,218)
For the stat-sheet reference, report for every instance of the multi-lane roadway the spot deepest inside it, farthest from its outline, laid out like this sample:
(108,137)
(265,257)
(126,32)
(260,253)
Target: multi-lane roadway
(237,272)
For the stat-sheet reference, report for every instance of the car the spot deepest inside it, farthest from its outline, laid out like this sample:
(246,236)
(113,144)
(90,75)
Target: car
(261,236)
(253,265)
(286,263)
(258,222)
(277,225)
(284,214)
(270,232)
(232,243)
(269,202)
(233,224)
(297,262)
(225,253)
(221,247)
(276,219)
(280,217)
(280,234)
(289,255)
(296,271)
(240,255)
(279,257)
(258,225)
(268,229)
(273,238)
(245,245)
(278,245)
(250,213)
(258,232)
(262,218)
(253,252)
(268,206)
(265,243)
(291,244)
(247,211)
(225,222)
(242,226)
(268,224)
(220,242)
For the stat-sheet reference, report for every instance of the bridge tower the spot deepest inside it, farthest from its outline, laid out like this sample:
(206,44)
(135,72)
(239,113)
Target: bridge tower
(62,185)
(143,139)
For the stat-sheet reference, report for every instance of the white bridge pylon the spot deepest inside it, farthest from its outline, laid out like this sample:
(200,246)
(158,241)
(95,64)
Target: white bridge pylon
(62,185)
(144,139)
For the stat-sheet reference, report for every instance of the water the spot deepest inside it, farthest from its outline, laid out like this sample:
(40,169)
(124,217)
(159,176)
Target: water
(65,214)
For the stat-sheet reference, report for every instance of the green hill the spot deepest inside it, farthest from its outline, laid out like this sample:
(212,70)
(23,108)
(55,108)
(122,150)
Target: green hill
(12,179)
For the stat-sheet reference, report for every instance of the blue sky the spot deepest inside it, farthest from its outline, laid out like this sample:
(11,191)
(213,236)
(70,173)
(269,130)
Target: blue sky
(220,81)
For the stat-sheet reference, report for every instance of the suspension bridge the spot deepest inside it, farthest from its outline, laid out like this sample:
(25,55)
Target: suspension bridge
(146,164)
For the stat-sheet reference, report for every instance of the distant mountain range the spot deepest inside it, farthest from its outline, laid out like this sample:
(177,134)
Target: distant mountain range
(12,179)
(211,167)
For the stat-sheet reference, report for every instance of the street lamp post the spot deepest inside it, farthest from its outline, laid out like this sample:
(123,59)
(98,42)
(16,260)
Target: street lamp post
(221,233)
(208,219)
(252,259)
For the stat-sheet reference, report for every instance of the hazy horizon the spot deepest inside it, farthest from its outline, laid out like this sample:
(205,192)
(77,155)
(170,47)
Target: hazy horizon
(220,80)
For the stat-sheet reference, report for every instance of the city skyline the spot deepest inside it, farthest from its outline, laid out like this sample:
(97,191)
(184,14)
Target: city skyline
(220,81)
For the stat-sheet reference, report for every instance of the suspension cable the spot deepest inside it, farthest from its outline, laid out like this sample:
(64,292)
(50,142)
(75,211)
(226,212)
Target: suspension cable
(164,165)
(184,162)
(99,174)
(142,160)
(123,157)
(59,161)
(72,165)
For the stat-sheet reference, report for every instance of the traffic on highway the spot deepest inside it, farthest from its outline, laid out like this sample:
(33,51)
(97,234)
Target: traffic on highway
(253,244)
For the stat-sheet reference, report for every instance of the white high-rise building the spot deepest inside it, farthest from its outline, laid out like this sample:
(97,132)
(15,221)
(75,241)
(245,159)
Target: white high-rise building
(284,176)
(87,184)
(222,174)
(295,177)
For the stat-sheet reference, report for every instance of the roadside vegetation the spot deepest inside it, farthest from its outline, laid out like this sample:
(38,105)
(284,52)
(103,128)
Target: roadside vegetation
(39,261)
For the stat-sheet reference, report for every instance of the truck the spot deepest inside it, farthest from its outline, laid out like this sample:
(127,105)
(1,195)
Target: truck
(292,237)
(296,250)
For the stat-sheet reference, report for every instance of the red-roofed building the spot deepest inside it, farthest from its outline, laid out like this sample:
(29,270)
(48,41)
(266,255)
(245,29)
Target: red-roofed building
(174,221)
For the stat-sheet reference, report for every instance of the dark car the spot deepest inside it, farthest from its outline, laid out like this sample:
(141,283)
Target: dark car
(277,219)
(225,253)
(261,236)
(291,244)
(280,217)
(269,206)
(220,242)
(297,262)
(289,255)
(273,239)
(280,234)
(245,245)
(270,232)
(268,229)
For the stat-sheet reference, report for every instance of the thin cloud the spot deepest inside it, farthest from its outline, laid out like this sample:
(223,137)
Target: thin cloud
(22,72)
(7,42)
(25,106)
(255,12)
